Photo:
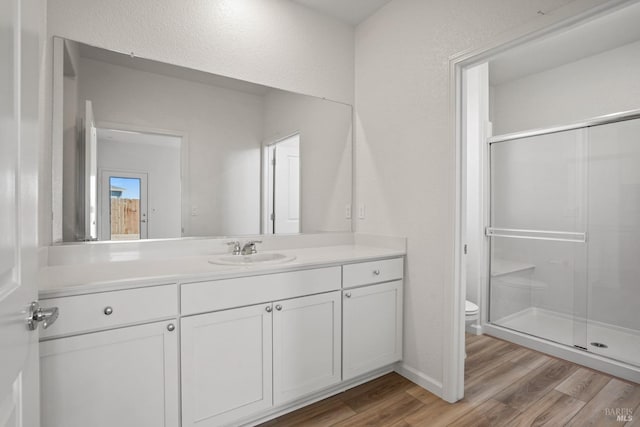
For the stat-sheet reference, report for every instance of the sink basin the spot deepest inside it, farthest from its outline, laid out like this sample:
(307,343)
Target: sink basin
(255,259)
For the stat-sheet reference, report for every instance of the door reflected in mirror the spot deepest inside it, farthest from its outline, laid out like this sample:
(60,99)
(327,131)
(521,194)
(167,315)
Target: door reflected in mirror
(212,155)
(283,186)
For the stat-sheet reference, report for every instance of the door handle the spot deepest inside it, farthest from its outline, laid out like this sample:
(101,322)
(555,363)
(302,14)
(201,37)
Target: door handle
(37,315)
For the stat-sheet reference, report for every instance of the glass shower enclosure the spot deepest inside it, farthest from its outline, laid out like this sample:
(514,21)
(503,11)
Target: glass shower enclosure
(565,236)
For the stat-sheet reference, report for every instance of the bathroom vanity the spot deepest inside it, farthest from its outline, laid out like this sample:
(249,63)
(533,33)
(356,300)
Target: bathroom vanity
(186,342)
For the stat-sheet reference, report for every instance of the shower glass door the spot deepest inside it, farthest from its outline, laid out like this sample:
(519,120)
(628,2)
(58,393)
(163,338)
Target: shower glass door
(537,236)
(565,237)
(613,327)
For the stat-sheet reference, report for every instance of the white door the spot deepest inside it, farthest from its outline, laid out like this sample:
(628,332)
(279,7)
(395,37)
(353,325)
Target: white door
(90,174)
(372,328)
(226,365)
(306,345)
(286,186)
(123,205)
(125,377)
(19,88)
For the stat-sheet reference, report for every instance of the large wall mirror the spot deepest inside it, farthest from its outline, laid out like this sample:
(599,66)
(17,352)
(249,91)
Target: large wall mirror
(149,150)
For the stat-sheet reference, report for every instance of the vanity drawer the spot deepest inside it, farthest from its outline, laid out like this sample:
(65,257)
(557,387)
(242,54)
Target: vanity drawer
(365,273)
(213,295)
(104,310)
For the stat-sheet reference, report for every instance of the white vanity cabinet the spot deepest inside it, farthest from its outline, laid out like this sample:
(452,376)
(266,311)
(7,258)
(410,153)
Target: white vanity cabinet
(236,349)
(306,345)
(241,361)
(372,316)
(124,376)
(237,362)
(226,365)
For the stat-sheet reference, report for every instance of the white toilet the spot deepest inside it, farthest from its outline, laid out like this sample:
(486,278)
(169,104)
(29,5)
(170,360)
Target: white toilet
(471,315)
(471,312)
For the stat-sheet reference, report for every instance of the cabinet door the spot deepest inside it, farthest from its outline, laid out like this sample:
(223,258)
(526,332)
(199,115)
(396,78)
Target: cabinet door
(226,365)
(123,377)
(372,328)
(306,345)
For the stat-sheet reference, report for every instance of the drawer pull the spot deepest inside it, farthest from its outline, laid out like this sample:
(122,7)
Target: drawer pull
(171,327)
(108,311)
(348,295)
(268,309)
(278,307)
(376,272)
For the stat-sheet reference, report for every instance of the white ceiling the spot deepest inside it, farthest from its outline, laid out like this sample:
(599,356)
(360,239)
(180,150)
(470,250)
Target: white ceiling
(599,35)
(350,11)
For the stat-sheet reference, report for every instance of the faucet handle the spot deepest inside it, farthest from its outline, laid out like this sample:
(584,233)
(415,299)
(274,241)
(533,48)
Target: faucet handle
(236,247)
(250,247)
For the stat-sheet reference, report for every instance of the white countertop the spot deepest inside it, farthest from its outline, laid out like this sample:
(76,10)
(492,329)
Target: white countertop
(67,280)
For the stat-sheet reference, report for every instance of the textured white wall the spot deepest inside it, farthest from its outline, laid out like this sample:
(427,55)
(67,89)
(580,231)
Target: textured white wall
(224,129)
(405,170)
(594,86)
(276,42)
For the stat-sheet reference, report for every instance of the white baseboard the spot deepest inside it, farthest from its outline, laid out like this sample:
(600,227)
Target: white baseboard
(474,329)
(423,380)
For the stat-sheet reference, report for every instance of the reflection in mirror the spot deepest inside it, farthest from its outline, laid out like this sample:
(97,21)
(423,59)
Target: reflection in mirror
(152,150)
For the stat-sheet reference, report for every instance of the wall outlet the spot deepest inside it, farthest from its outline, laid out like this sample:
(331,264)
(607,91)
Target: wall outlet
(347,211)
(361,211)
(194,211)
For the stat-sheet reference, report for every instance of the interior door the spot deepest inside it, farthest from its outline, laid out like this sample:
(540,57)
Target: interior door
(287,186)
(20,31)
(90,175)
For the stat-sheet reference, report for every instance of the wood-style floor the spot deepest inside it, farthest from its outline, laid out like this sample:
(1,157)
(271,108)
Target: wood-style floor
(505,385)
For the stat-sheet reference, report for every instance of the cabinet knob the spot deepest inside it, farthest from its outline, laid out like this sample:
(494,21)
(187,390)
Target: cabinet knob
(268,308)
(278,307)
(376,272)
(348,295)
(108,311)
(171,327)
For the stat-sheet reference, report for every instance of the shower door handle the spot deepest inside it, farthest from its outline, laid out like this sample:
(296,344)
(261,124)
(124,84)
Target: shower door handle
(558,236)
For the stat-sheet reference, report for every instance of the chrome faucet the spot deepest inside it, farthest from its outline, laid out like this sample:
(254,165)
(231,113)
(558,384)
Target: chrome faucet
(236,247)
(249,248)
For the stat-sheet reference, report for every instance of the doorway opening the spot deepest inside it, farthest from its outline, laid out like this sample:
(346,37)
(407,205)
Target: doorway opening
(124,205)
(281,192)
(532,133)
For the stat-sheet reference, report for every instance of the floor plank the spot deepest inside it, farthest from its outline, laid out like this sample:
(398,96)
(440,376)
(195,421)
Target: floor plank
(553,409)
(583,384)
(362,398)
(613,400)
(505,385)
(324,413)
(489,413)
(526,391)
(389,412)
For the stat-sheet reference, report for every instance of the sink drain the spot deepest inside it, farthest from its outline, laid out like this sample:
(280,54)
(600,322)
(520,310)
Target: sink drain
(599,345)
